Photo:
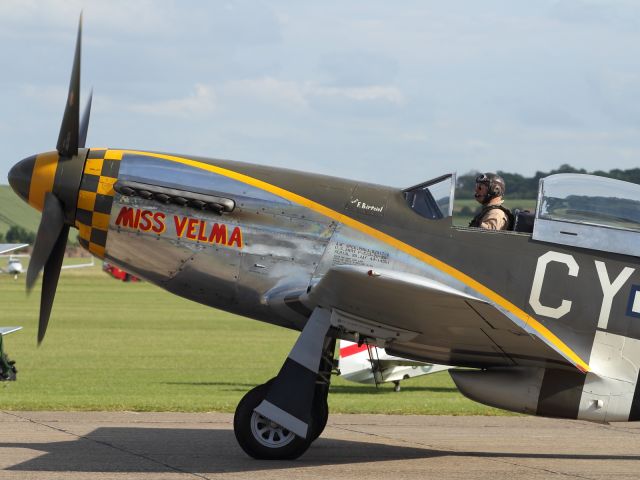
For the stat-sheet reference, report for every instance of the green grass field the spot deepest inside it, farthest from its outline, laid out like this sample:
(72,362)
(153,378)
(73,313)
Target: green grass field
(131,346)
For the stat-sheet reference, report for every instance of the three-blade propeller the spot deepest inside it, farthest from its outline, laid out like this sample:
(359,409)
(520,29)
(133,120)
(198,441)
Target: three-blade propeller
(53,231)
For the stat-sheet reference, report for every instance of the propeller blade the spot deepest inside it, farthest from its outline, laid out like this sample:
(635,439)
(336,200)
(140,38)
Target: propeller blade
(50,281)
(51,224)
(84,123)
(68,137)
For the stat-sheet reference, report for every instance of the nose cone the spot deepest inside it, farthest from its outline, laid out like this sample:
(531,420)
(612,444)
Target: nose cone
(33,177)
(20,177)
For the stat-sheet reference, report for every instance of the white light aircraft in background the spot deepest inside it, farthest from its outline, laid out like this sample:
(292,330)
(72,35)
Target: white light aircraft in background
(14,266)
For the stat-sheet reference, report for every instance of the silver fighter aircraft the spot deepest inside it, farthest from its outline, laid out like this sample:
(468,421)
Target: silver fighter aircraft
(548,320)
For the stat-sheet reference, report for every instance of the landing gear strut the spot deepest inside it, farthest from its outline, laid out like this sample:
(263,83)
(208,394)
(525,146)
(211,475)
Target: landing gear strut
(281,418)
(320,404)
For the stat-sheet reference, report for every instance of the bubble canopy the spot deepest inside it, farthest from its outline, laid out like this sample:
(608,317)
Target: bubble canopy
(591,200)
(588,211)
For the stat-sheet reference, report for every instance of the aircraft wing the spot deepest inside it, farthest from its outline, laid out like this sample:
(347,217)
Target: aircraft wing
(426,320)
(10,247)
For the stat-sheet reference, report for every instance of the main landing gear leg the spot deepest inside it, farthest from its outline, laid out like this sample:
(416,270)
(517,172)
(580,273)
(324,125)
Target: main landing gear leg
(281,418)
(323,381)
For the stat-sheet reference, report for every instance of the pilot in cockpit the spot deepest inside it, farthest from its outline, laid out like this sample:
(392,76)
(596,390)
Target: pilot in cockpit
(490,189)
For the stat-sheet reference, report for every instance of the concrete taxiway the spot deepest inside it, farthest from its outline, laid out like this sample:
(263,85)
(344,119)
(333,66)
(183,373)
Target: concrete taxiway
(81,445)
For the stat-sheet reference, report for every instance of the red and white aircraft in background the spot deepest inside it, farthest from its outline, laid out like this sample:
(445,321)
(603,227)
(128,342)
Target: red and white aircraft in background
(368,364)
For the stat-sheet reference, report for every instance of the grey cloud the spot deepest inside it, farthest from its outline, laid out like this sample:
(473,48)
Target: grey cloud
(547,116)
(617,14)
(613,95)
(358,68)
(201,101)
(334,86)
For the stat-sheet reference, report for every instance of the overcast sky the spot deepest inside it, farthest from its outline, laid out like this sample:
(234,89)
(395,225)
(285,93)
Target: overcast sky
(387,92)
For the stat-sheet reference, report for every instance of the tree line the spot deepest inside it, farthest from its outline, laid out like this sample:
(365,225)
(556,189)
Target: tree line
(18,234)
(519,186)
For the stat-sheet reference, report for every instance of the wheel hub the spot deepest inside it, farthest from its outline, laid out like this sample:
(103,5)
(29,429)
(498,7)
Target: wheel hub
(269,433)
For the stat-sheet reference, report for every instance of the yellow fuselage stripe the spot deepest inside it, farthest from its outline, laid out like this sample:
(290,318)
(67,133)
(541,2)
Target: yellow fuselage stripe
(388,239)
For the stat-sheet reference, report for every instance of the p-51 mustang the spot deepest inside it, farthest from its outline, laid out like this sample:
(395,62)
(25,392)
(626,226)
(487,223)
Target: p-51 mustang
(548,320)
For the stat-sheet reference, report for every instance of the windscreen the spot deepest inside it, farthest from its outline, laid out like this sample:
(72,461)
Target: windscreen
(432,199)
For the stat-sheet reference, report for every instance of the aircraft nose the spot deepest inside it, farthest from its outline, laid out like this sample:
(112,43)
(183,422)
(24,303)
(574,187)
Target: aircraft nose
(20,177)
(33,177)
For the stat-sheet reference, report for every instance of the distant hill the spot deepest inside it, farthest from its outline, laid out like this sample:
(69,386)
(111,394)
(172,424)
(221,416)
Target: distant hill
(15,211)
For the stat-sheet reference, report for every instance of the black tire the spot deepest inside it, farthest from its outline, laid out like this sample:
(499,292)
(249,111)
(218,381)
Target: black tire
(275,443)
(321,416)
